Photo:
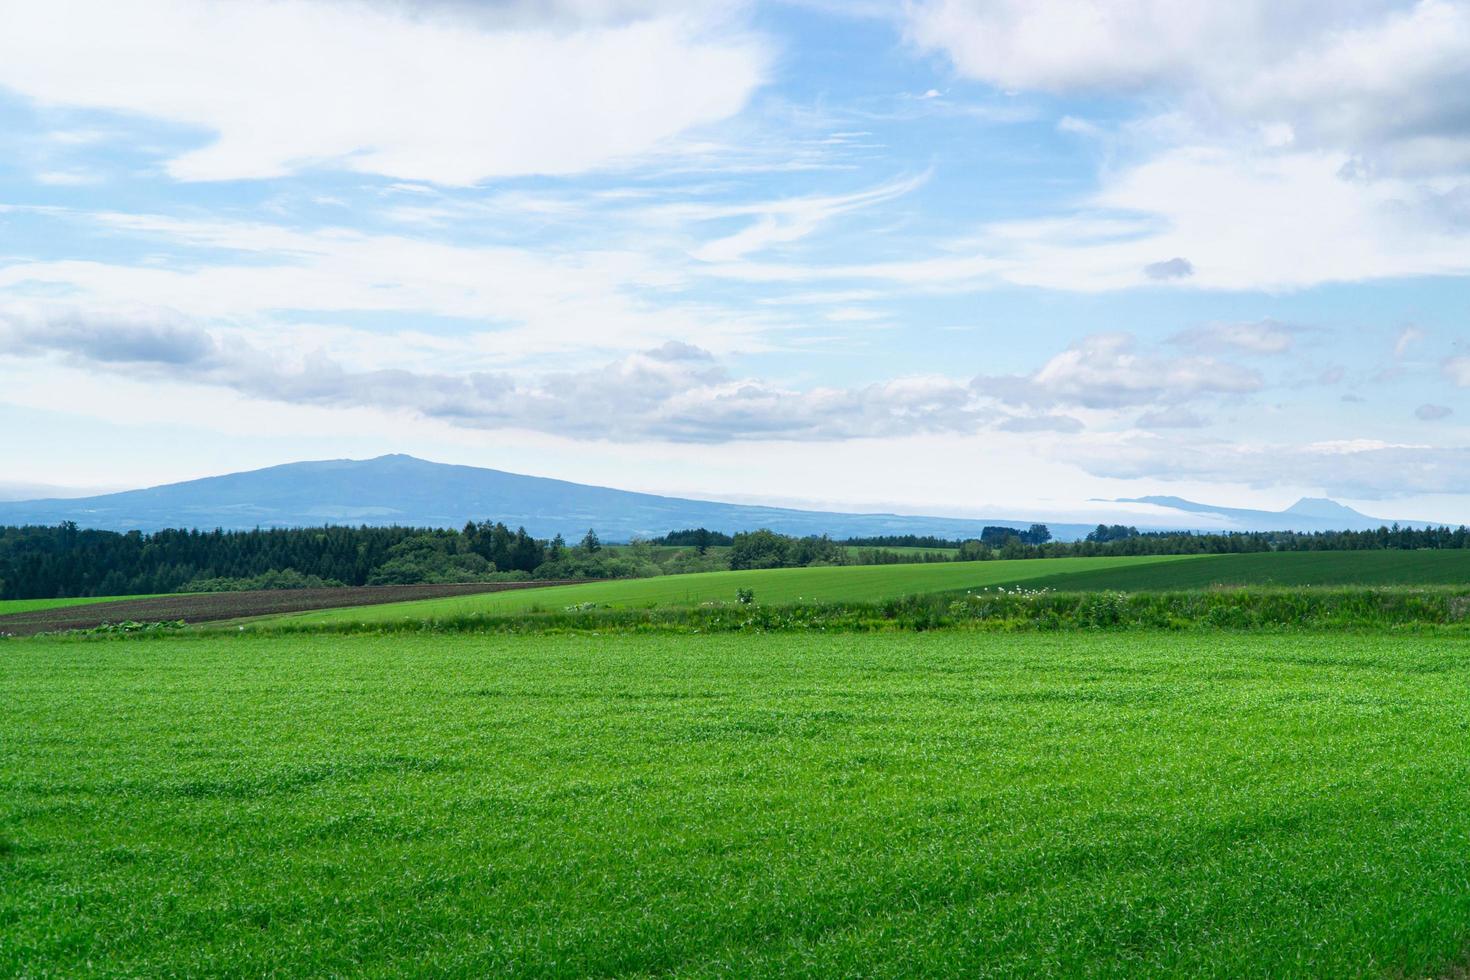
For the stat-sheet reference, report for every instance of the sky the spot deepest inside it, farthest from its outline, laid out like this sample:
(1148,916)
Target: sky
(973,257)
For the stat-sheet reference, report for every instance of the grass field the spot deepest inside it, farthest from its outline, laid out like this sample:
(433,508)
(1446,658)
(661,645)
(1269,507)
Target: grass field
(1291,568)
(854,583)
(942,803)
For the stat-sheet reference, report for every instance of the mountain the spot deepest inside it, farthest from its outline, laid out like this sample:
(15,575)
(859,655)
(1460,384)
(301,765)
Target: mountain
(400,489)
(1307,514)
(403,490)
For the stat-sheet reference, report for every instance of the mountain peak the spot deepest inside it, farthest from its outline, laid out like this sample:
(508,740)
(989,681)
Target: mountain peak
(1321,507)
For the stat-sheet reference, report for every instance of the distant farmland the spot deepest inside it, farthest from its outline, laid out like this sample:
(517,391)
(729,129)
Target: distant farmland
(865,583)
(771,587)
(845,583)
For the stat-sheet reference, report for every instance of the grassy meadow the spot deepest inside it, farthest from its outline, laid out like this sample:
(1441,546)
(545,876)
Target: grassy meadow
(773,586)
(1223,804)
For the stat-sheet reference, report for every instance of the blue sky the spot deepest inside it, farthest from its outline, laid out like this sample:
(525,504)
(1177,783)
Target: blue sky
(969,256)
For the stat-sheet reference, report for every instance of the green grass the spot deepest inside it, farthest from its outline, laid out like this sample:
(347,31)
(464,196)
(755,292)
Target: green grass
(1291,568)
(931,804)
(8,606)
(853,583)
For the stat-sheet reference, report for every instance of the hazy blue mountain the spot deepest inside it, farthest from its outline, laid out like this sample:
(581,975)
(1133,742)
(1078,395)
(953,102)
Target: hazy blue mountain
(1307,514)
(403,490)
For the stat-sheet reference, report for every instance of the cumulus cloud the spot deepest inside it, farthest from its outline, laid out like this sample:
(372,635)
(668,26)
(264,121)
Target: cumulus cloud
(1377,77)
(1279,144)
(124,337)
(676,392)
(1107,371)
(421,94)
(1432,413)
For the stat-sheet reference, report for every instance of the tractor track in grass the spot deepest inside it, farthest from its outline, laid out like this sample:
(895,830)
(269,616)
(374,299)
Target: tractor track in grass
(216,606)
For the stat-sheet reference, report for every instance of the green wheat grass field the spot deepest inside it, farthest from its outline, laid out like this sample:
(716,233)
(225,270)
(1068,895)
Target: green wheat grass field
(1109,804)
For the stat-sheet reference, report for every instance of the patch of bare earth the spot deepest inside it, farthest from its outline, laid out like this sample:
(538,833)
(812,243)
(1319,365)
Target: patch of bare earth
(216,606)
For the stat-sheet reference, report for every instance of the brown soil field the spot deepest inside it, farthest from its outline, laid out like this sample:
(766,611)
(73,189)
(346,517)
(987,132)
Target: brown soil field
(216,606)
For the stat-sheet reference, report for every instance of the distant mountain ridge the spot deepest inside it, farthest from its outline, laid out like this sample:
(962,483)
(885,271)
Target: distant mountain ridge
(1307,514)
(400,489)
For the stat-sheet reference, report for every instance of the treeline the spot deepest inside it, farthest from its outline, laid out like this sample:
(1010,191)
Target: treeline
(65,561)
(1118,540)
(993,536)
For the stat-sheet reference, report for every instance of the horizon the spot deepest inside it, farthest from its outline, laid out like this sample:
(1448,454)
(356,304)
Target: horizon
(944,258)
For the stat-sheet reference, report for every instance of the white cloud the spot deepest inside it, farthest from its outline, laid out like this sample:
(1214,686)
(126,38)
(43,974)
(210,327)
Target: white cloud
(1040,423)
(427,95)
(1245,218)
(1370,76)
(1106,371)
(1407,338)
(1280,144)
(1395,87)
(1172,417)
(675,392)
(1261,337)
(528,302)
(1175,268)
(1363,469)
(1457,370)
(782,221)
